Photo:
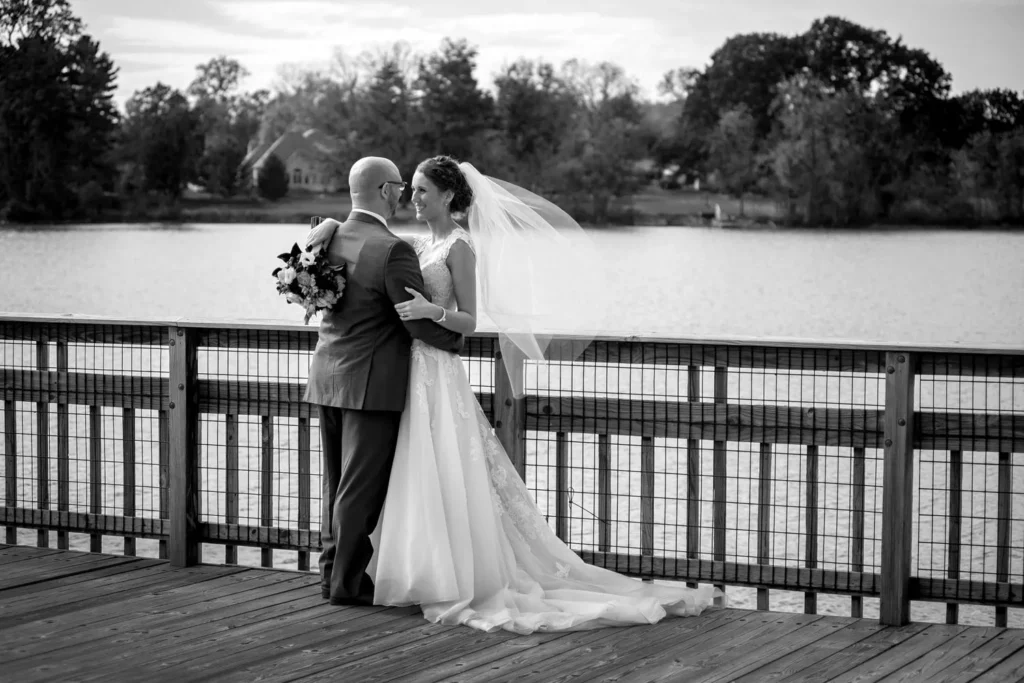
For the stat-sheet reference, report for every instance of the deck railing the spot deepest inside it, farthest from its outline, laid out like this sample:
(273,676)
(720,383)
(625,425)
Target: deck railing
(891,473)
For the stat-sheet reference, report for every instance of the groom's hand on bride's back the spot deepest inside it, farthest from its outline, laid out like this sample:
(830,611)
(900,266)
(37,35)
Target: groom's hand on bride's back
(401,273)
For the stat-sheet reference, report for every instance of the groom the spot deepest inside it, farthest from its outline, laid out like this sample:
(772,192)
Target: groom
(360,371)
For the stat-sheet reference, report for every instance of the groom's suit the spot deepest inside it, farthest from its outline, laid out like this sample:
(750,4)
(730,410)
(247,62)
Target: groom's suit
(358,377)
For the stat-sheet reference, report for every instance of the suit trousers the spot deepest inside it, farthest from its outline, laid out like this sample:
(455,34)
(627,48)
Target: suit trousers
(358,451)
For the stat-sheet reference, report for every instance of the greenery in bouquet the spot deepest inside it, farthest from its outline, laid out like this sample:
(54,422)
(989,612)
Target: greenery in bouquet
(308,279)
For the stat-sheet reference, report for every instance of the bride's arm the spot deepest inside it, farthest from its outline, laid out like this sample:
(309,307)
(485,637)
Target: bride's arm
(461,263)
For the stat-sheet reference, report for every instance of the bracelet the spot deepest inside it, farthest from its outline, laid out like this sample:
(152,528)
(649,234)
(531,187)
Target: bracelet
(444,314)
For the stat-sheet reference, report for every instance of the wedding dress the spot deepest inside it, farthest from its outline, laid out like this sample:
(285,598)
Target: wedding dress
(460,534)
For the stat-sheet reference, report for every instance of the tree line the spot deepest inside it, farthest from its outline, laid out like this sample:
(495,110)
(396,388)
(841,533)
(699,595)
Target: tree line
(846,124)
(851,126)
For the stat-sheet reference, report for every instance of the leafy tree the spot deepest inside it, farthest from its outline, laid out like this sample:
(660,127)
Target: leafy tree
(534,109)
(902,83)
(455,110)
(662,125)
(387,123)
(46,19)
(605,139)
(819,153)
(218,79)
(1010,177)
(996,111)
(744,71)
(272,182)
(305,99)
(228,120)
(845,56)
(733,152)
(56,109)
(676,84)
(161,138)
(991,167)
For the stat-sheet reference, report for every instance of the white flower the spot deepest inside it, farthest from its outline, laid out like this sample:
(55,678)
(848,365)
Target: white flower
(307,258)
(294,298)
(286,275)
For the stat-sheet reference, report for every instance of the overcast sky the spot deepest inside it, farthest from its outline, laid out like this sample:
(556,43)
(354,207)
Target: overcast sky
(978,41)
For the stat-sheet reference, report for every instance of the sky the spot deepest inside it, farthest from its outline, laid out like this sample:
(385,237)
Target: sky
(977,41)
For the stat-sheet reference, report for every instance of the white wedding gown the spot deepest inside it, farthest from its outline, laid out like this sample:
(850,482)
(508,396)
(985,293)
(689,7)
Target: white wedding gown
(460,534)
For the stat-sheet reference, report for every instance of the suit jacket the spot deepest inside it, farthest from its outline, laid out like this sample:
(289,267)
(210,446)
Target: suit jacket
(361,361)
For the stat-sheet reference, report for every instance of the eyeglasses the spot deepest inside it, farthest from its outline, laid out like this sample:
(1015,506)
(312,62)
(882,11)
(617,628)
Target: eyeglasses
(401,185)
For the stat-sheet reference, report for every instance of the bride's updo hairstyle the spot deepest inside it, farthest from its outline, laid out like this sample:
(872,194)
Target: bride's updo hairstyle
(444,172)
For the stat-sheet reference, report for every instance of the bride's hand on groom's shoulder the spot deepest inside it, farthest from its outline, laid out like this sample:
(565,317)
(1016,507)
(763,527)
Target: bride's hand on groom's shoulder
(322,233)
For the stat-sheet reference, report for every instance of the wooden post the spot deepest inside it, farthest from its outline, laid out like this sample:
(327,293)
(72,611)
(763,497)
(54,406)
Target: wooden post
(11,464)
(304,487)
(811,524)
(562,486)
(267,485)
(646,499)
(128,457)
(63,446)
(231,481)
(857,527)
(43,445)
(692,474)
(956,482)
(184,547)
(95,473)
(1004,505)
(163,470)
(764,522)
(897,489)
(604,493)
(719,475)
(509,411)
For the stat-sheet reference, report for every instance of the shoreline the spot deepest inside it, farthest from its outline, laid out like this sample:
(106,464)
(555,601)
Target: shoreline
(637,220)
(654,208)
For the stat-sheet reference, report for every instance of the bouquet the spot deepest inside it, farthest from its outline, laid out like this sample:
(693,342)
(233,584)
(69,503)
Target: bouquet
(308,279)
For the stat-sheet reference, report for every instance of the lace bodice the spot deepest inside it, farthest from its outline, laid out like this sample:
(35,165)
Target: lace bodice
(437,279)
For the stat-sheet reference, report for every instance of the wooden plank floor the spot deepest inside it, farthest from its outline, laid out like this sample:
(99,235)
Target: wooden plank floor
(72,616)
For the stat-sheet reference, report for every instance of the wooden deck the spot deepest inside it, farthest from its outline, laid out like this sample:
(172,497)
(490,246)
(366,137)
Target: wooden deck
(73,616)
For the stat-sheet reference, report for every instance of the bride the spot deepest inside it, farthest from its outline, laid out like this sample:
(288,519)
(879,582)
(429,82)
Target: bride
(460,534)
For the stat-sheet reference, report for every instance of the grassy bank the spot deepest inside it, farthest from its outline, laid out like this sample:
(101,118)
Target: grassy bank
(652,206)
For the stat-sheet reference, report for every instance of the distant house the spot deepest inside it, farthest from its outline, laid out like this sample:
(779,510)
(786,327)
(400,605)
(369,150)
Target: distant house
(302,154)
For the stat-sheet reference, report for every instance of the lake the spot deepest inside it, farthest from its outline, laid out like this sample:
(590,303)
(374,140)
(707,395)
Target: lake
(917,286)
(949,287)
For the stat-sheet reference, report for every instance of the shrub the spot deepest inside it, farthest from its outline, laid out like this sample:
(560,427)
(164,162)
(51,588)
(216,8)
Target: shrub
(272,182)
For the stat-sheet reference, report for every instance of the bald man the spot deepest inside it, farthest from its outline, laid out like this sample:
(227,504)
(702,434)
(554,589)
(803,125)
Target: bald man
(359,374)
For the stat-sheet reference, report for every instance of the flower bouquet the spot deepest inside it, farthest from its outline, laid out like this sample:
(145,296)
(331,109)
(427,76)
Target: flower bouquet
(307,278)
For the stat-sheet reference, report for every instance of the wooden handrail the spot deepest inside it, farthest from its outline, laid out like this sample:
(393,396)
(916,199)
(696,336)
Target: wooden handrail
(733,340)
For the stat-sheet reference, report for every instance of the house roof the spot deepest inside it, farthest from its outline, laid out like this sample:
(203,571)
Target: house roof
(312,140)
(255,153)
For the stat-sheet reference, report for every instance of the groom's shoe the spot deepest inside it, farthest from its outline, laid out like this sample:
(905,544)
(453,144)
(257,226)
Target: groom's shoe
(364,599)
(352,602)
(325,593)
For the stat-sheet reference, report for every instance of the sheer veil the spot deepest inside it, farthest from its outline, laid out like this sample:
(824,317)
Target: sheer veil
(542,281)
